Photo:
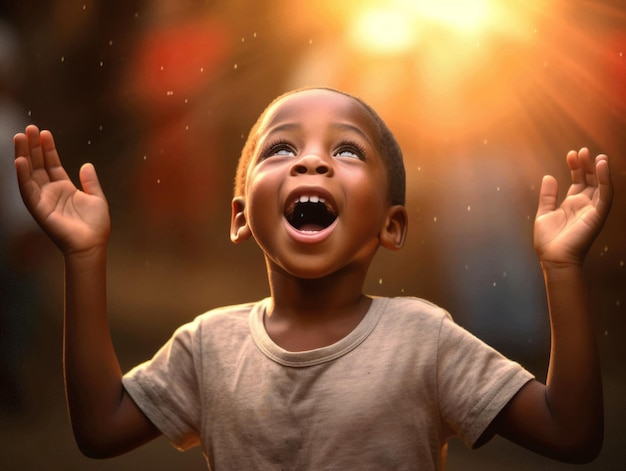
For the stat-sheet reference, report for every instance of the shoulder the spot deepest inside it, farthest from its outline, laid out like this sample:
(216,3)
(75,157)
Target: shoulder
(414,304)
(413,310)
(226,313)
(422,321)
(411,321)
(213,323)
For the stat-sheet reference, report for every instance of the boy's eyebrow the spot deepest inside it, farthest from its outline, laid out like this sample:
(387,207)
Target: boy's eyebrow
(352,127)
(281,127)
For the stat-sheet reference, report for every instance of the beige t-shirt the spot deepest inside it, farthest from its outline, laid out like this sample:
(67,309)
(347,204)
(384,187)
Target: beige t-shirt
(387,396)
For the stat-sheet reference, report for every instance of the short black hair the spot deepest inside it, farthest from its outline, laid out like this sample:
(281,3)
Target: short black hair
(389,149)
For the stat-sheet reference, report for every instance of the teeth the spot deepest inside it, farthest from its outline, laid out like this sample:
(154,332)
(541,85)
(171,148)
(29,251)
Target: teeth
(312,199)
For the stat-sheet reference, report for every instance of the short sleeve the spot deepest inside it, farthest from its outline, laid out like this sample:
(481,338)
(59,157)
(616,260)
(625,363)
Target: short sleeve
(166,388)
(474,381)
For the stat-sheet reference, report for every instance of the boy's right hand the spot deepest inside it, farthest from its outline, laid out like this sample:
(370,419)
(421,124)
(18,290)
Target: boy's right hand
(77,221)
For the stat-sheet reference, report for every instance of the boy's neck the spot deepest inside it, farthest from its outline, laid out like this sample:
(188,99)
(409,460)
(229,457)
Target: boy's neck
(307,314)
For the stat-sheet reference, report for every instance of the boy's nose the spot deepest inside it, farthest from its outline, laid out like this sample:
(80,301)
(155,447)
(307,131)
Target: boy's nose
(311,164)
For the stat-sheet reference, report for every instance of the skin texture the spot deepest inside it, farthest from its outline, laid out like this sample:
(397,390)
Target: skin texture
(321,143)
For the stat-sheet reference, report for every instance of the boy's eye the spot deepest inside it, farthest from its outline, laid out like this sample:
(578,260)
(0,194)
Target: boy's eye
(351,151)
(281,149)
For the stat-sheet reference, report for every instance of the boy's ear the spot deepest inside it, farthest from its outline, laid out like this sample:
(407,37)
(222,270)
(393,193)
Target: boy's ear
(239,230)
(394,232)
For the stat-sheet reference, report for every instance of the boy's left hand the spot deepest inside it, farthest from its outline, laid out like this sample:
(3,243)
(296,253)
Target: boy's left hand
(563,234)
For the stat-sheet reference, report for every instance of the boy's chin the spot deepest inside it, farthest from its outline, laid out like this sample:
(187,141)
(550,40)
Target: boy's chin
(314,267)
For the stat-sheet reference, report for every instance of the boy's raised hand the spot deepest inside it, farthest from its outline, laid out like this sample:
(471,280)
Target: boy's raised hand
(77,221)
(563,234)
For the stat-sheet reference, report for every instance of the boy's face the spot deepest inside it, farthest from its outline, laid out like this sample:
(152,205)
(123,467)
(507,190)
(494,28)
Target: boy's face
(316,197)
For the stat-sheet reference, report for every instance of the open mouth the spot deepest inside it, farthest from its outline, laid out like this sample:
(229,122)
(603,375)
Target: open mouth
(310,213)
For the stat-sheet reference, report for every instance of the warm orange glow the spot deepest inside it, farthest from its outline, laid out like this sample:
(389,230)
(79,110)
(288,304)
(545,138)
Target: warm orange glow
(469,67)
(395,26)
(383,30)
(462,15)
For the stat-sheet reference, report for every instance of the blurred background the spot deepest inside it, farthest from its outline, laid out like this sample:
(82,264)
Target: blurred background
(485,97)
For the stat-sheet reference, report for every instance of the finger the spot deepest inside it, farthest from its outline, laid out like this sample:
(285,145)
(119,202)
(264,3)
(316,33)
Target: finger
(89,180)
(582,170)
(548,195)
(51,158)
(20,143)
(605,187)
(602,169)
(29,189)
(588,164)
(577,173)
(35,151)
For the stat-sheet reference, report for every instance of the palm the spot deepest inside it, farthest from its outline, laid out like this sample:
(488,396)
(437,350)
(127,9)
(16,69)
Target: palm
(74,219)
(564,234)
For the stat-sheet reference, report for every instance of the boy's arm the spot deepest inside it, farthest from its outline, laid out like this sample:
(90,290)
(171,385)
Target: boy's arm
(104,418)
(564,418)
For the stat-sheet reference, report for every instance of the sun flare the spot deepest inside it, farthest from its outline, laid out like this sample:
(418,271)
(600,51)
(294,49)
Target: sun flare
(395,26)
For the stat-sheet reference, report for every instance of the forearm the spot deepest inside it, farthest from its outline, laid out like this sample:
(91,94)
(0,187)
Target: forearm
(574,386)
(564,418)
(96,399)
(104,418)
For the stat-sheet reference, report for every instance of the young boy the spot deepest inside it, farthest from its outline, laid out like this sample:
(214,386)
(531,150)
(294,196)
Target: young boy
(319,375)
